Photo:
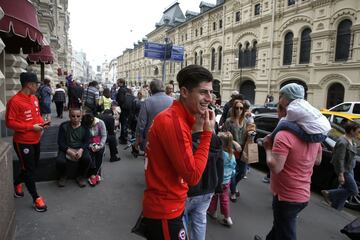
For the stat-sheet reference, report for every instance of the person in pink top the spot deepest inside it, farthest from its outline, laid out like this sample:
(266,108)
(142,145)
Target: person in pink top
(291,161)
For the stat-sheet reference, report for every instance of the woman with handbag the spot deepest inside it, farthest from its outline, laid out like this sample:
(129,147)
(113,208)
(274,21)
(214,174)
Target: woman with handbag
(344,164)
(97,142)
(236,125)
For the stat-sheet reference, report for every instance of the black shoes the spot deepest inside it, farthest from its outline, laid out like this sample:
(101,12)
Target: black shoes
(115,159)
(134,151)
(62,181)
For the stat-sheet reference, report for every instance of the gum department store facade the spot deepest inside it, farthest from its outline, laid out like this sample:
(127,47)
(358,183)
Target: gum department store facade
(312,42)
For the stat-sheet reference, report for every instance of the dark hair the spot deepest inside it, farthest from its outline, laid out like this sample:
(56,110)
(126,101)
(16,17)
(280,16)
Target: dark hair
(58,85)
(93,84)
(351,126)
(192,75)
(156,86)
(233,111)
(46,81)
(87,120)
(107,93)
(121,80)
(108,112)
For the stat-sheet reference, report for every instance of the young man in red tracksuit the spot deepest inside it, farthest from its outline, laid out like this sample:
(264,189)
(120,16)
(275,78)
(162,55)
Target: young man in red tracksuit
(171,165)
(23,116)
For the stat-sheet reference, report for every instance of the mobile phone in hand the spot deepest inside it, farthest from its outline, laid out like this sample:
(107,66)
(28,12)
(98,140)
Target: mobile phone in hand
(45,124)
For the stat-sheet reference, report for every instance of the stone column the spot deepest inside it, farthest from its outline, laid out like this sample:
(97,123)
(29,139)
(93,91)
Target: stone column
(7,204)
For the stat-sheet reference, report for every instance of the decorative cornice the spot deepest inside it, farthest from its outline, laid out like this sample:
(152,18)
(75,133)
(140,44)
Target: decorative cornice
(334,77)
(345,12)
(243,34)
(293,20)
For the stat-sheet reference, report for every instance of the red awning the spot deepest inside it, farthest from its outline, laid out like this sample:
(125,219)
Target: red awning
(44,56)
(19,28)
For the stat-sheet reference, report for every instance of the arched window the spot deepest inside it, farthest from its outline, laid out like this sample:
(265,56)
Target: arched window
(335,95)
(220,58)
(247,55)
(201,58)
(305,46)
(241,57)
(253,55)
(212,58)
(195,56)
(343,39)
(201,31)
(288,48)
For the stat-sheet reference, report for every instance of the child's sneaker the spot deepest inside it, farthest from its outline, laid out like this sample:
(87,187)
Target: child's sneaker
(227,222)
(98,179)
(18,192)
(39,205)
(92,180)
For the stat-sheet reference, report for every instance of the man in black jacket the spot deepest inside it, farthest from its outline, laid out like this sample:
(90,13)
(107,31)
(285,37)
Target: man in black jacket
(73,140)
(121,100)
(199,196)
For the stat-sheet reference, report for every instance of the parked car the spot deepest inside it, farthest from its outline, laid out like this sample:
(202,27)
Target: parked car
(347,107)
(266,108)
(340,118)
(323,176)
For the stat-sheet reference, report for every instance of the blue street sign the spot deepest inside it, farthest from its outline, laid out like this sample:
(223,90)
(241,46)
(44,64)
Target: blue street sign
(177,53)
(154,50)
(163,51)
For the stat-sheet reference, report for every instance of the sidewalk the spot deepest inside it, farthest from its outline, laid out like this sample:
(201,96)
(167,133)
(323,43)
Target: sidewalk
(109,210)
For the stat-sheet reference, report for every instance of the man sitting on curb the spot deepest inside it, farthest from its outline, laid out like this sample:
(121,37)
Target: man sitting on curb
(73,140)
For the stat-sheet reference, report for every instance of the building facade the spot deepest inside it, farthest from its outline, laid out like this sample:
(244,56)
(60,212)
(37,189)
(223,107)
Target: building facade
(51,19)
(258,46)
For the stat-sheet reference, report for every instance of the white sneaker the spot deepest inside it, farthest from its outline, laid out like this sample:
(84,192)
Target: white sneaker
(227,222)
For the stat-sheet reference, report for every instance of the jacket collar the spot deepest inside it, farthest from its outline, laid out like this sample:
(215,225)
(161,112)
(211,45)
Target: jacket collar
(181,110)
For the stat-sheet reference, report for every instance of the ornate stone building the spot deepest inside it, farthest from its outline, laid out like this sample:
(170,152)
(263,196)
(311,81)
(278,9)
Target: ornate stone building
(257,46)
(24,29)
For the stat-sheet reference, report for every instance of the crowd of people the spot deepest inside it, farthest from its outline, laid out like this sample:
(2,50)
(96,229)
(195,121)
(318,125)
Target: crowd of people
(191,166)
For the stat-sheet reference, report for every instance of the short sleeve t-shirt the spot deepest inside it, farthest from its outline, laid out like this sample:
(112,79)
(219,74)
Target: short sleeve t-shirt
(292,184)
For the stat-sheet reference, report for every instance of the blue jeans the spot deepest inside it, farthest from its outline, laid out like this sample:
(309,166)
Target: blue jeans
(195,216)
(338,196)
(240,172)
(297,130)
(285,216)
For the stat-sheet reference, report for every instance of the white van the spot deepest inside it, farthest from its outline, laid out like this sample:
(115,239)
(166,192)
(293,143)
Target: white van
(347,107)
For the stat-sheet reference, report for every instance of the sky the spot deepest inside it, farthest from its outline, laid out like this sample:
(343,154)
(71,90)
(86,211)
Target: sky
(103,29)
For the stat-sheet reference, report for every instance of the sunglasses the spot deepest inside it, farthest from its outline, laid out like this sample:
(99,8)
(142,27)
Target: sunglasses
(75,116)
(237,108)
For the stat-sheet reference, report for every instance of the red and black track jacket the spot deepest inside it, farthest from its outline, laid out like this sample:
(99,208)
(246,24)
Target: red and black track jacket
(171,164)
(22,112)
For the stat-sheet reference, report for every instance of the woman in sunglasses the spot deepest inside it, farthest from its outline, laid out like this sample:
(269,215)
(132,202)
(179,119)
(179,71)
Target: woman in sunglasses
(236,125)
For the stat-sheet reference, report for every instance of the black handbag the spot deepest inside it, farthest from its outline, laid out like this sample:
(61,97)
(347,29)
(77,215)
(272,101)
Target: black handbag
(352,230)
(139,228)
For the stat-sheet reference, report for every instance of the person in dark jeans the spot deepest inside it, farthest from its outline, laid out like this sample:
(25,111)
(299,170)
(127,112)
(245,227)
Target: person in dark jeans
(121,100)
(59,99)
(73,139)
(23,116)
(108,118)
(291,161)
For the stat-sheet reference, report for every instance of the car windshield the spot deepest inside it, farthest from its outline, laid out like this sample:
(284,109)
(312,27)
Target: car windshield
(337,131)
(357,120)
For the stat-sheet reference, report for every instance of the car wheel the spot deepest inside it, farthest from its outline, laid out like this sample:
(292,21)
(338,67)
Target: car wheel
(353,202)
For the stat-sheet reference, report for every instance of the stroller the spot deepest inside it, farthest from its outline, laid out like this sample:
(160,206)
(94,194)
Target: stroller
(352,230)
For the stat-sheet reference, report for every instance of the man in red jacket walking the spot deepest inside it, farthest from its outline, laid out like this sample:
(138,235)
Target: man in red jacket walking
(23,116)
(170,163)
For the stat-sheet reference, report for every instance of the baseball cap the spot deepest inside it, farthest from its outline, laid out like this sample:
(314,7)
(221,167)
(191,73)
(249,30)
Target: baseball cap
(293,91)
(26,77)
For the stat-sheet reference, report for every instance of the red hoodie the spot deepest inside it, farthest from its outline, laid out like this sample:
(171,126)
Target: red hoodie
(22,112)
(170,164)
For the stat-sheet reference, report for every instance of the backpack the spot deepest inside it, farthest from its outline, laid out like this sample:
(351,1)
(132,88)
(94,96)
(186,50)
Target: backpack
(38,93)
